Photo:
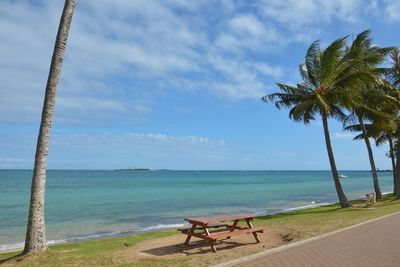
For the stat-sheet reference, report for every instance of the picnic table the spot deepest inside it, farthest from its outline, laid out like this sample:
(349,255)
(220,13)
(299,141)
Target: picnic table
(215,228)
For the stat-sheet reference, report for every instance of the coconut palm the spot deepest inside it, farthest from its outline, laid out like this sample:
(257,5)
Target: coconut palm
(371,91)
(325,91)
(393,76)
(381,135)
(375,118)
(334,79)
(371,110)
(36,234)
(393,73)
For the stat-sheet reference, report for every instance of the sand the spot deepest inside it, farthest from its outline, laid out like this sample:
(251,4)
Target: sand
(172,247)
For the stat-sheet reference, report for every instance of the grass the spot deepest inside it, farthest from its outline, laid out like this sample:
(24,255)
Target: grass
(94,252)
(107,252)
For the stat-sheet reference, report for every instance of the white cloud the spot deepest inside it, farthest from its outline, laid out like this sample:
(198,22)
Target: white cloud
(299,13)
(268,70)
(392,10)
(154,42)
(307,20)
(247,24)
(150,45)
(246,31)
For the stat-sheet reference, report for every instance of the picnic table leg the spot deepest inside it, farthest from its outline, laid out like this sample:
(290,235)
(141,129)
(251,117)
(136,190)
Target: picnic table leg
(212,245)
(254,234)
(235,222)
(190,233)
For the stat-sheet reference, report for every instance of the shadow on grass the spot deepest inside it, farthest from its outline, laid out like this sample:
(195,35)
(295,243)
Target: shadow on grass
(194,248)
(390,200)
(18,257)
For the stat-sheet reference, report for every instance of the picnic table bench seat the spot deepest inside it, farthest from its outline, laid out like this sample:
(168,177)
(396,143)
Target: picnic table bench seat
(225,234)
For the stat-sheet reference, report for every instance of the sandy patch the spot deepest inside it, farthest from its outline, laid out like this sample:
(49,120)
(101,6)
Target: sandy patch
(172,247)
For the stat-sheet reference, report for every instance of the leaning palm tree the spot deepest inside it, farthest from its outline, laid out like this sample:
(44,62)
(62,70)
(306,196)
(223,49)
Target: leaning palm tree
(369,108)
(325,91)
(36,234)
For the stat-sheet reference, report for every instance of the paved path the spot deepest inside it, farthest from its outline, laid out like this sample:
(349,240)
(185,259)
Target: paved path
(374,244)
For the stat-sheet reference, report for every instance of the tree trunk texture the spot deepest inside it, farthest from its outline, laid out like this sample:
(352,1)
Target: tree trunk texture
(375,180)
(393,160)
(35,240)
(335,175)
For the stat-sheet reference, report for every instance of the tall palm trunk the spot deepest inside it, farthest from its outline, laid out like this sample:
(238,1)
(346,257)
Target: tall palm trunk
(335,175)
(396,190)
(392,158)
(36,233)
(377,188)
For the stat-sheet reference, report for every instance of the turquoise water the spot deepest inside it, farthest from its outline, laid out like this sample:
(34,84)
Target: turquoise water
(90,204)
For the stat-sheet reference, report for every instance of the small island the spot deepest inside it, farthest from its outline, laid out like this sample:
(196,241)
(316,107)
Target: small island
(132,169)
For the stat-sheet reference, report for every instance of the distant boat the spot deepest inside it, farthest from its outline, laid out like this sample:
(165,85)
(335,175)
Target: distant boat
(342,176)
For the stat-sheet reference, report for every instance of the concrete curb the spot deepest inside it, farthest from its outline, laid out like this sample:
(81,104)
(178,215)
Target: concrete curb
(296,244)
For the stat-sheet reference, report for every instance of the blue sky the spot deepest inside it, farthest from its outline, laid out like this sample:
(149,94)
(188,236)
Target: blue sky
(175,84)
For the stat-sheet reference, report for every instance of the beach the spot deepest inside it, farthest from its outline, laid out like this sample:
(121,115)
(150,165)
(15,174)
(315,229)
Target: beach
(165,248)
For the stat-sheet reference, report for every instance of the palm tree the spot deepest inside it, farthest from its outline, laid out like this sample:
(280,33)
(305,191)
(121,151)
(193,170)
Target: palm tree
(371,56)
(380,135)
(393,76)
(36,240)
(325,91)
(393,73)
(371,110)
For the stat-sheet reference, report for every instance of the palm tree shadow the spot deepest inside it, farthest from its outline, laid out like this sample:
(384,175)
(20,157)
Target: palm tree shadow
(18,258)
(391,200)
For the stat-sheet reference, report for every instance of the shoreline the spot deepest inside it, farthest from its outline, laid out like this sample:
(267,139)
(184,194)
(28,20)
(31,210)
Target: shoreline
(149,229)
(165,248)
(9,248)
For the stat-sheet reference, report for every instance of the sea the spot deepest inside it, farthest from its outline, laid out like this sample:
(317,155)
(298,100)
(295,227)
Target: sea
(88,204)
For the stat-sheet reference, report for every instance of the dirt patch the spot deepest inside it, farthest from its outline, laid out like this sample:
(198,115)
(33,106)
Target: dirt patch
(172,247)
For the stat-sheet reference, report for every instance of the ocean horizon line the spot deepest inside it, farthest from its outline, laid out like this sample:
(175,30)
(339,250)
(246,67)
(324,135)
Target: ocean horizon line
(119,169)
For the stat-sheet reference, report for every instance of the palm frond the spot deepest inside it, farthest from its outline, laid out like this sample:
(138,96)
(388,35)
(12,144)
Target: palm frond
(312,63)
(330,59)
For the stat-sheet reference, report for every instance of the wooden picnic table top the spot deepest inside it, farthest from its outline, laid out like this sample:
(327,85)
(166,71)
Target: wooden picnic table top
(219,218)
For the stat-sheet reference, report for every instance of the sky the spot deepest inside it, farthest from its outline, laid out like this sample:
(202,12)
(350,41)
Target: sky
(175,84)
